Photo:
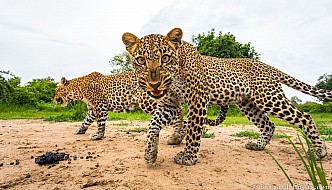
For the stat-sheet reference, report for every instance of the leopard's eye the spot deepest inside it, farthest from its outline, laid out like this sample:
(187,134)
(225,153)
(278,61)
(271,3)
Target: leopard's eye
(140,60)
(165,58)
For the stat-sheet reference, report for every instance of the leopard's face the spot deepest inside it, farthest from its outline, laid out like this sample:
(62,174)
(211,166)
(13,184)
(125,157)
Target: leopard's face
(66,92)
(154,60)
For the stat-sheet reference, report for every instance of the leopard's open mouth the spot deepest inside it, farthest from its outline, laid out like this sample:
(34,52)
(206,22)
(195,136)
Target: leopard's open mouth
(59,100)
(62,101)
(157,93)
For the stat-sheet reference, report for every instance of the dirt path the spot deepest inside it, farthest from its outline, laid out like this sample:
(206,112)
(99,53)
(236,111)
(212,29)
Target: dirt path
(117,160)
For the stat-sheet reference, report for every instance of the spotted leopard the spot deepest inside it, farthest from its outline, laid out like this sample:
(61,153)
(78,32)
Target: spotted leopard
(117,93)
(164,63)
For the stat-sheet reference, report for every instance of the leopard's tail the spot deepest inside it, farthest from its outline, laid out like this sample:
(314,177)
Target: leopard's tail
(303,87)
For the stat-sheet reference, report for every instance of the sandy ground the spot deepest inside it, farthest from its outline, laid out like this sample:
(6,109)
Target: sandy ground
(117,160)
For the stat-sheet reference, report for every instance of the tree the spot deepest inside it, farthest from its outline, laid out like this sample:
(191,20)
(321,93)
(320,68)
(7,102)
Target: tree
(295,100)
(9,83)
(121,62)
(324,82)
(223,46)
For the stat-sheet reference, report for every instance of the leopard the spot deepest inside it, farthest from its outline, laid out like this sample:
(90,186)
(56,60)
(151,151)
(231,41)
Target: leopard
(117,93)
(165,63)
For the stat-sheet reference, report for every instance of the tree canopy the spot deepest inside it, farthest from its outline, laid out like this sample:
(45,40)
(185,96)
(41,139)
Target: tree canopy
(324,82)
(223,46)
(121,63)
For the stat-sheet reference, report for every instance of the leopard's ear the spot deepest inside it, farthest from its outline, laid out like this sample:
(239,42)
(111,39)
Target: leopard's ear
(64,81)
(174,37)
(130,41)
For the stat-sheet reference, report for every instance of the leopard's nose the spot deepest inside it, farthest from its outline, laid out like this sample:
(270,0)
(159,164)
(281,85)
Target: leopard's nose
(155,86)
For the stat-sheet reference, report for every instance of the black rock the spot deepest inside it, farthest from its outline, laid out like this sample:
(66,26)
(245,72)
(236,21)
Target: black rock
(12,163)
(27,176)
(1,164)
(50,158)
(17,162)
(75,157)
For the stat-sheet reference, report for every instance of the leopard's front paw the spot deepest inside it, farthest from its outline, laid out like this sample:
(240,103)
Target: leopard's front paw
(318,152)
(254,146)
(96,136)
(80,131)
(185,159)
(151,153)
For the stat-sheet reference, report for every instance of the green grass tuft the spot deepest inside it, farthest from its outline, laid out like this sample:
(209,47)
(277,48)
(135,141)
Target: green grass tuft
(205,134)
(314,168)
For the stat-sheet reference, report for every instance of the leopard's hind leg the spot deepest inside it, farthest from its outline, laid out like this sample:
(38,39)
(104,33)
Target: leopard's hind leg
(261,120)
(279,106)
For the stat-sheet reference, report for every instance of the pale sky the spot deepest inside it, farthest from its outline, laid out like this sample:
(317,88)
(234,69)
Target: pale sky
(71,38)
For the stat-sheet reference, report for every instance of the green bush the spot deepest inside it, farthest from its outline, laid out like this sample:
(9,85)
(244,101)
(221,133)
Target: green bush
(34,92)
(313,107)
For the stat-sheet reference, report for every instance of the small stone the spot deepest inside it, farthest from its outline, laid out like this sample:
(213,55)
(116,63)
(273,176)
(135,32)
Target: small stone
(53,165)
(97,165)
(32,157)
(66,156)
(56,145)
(89,153)
(48,174)
(86,146)
(49,167)
(82,157)
(12,163)
(69,162)
(87,157)
(75,157)
(17,162)
(1,164)
(27,175)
